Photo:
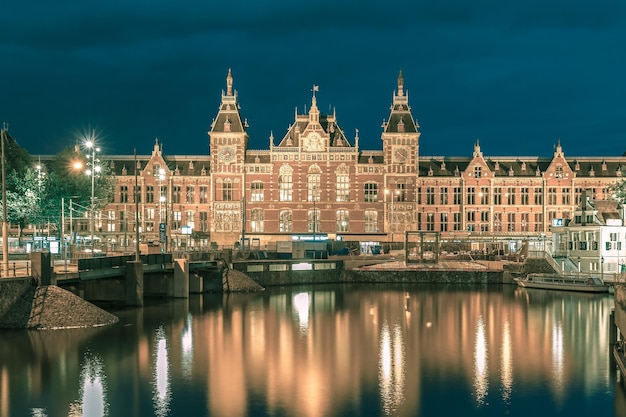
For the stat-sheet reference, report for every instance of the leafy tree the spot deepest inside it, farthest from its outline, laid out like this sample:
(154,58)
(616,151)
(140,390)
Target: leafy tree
(618,191)
(67,179)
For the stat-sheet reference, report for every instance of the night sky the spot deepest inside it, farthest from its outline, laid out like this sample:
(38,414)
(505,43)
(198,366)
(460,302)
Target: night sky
(518,76)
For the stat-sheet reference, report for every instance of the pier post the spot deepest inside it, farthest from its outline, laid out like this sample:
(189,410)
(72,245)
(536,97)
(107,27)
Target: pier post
(41,269)
(134,283)
(181,278)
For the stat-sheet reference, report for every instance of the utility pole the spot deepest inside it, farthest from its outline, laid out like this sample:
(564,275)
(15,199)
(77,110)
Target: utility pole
(5,231)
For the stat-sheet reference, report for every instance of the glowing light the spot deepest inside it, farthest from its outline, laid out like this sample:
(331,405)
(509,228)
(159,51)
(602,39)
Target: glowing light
(301,304)
(506,364)
(161,395)
(481,377)
(391,369)
(93,387)
(186,343)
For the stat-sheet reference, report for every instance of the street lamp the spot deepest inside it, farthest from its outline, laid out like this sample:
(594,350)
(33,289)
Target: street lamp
(90,145)
(602,268)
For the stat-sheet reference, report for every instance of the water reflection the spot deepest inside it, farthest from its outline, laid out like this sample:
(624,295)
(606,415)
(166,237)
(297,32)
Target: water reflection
(186,346)
(301,304)
(481,377)
(93,387)
(506,363)
(161,382)
(391,368)
(312,351)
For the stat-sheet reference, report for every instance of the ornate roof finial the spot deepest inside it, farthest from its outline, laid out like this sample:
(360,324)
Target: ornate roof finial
(229,83)
(400,84)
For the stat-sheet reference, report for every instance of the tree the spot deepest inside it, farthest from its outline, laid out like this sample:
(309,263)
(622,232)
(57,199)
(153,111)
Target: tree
(67,179)
(618,191)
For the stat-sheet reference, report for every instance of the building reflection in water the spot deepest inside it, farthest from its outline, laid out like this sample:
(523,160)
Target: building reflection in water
(317,351)
(93,387)
(186,347)
(161,383)
(481,367)
(506,363)
(301,304)
(391,368)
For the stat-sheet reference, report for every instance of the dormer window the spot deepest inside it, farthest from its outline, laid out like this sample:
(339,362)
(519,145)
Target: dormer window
(603,165)
(227,125)
(401,126)
(190,165)
(430,172)
(511,172)
(559,171)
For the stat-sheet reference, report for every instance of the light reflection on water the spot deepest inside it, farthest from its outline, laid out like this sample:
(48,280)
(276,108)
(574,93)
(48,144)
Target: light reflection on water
(333,351)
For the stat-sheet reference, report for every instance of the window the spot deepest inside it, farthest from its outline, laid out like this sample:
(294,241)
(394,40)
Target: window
(484,195)
(538,222)
(227,191)
(430,221)
(565,196)
(204,194)
(510,196)
(204,221)
(149,214)
(149,193)
(342,184)
(477,172)
(443,222)
(525,196)
(285,183)
(176,194)
(510,227)
(189,194)
(497,222)
(471,195)
(456,219)
(525,222)
(443,195)
(371,192)
(257,220)
(430,195)
(176,219)
(552,196)
(313,187)
(371,221)
(256,191)
(497,196)
(123,194)
(402,191)
(457,196)
(538,196)
(313,221)
(342,220)
(559,171)
(190,219)
(285,223)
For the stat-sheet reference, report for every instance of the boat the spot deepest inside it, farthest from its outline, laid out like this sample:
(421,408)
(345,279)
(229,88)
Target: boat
(564,282)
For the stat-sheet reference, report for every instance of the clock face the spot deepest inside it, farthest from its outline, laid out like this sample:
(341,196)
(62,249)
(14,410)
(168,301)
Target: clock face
(314,143)
(226,154)
(401,155)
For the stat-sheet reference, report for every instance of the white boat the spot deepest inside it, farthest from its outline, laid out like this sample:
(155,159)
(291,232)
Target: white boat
(563,282)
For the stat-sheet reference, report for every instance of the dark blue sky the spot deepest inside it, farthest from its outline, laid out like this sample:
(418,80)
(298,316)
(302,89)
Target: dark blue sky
(517,76)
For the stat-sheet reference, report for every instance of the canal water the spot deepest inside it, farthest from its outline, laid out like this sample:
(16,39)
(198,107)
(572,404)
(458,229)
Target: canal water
(311,351)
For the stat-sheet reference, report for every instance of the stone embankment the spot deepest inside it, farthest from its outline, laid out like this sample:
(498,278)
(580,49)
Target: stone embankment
(236,281)
(50,307)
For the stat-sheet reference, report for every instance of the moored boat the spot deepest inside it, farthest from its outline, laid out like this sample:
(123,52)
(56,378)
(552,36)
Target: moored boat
(563,282)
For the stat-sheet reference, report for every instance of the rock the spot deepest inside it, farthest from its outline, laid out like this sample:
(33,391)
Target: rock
(50,307)
(236,281)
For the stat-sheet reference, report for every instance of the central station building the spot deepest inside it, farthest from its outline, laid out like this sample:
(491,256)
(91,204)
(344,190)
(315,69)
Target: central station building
(315,182)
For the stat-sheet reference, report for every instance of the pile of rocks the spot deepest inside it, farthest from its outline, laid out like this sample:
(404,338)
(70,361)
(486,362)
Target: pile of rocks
(50,307)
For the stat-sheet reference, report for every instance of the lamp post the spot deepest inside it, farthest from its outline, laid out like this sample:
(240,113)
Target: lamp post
(90,144)
(602,268)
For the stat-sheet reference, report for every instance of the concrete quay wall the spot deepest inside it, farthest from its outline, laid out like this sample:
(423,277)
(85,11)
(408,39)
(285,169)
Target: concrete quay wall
(270,274)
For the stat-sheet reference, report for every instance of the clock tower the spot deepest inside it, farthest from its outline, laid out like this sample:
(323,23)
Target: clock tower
(228,142)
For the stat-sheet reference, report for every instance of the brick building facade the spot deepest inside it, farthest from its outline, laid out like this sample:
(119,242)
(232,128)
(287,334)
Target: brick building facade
(316,180)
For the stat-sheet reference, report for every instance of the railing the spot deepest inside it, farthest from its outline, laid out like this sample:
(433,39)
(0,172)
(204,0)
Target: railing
(17,269)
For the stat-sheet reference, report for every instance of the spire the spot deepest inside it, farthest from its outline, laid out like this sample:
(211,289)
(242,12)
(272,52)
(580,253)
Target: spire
(229,83)
(400,84)
(477,151)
